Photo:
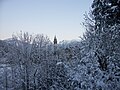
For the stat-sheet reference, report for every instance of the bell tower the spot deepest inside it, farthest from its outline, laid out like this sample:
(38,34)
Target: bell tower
(55,45)
(55,40)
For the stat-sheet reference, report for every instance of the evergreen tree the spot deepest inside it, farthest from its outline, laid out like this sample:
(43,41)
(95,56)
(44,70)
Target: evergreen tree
(107,29)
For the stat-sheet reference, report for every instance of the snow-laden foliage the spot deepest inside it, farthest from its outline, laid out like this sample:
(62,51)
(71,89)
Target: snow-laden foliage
(33,62)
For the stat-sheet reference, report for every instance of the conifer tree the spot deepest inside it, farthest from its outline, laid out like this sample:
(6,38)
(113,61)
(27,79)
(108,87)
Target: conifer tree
(107,29)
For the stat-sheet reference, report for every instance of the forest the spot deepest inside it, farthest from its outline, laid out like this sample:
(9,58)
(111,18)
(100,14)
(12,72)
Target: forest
(34,62)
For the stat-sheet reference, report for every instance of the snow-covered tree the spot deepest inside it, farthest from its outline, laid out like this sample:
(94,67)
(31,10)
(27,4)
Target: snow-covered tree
(101,44)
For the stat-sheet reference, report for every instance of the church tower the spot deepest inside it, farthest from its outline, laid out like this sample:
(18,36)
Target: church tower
(55,46)
(56,51)
(55,40)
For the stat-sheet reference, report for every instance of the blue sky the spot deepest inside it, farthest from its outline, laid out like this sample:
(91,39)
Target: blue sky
(50,17)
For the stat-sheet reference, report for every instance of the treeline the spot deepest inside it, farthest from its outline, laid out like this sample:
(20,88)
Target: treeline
(35,63)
